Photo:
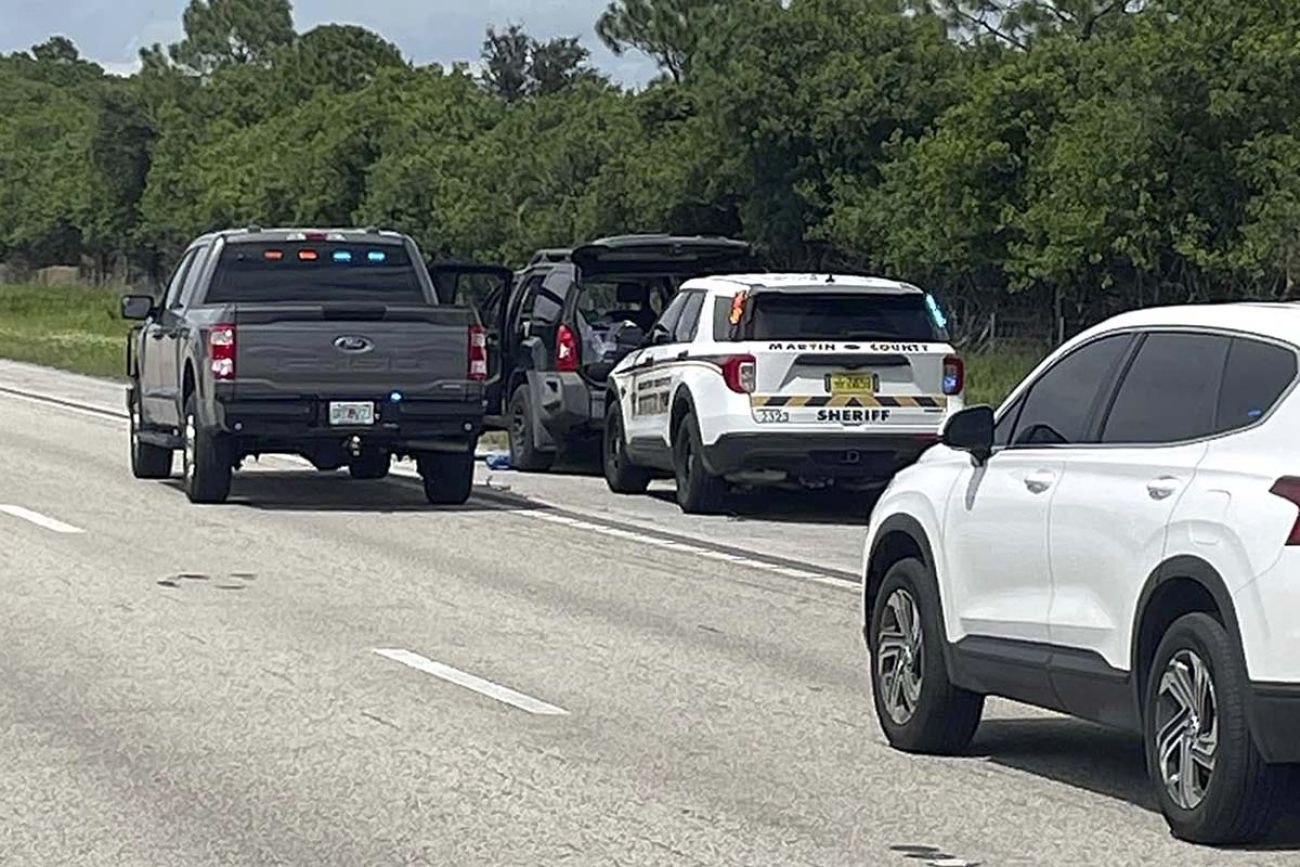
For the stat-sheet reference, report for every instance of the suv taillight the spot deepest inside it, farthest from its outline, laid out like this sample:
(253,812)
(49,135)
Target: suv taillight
(221,351)
(1288,488)
(740,373)
(478,353)
(954,375)
(566,350)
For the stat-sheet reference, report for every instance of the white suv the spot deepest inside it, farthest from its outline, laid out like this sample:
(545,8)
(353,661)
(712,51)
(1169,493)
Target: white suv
(1119,543)
(773,378)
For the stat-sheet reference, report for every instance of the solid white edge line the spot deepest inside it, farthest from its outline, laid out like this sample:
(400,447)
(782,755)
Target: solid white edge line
(492,690)
(39,520)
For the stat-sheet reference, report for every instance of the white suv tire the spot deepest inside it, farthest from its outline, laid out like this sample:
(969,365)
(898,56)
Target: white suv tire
(1237,799)
(919,708)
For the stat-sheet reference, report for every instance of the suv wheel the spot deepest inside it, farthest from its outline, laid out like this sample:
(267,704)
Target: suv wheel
(698,492)
(622,476)
(523,453)
(448,478)
(147,461)
(919,708)
(1210,779)
(371,465)
(207,461)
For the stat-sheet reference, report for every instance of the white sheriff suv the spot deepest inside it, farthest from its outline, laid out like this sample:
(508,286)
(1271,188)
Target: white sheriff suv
(1118,542)
(773,378)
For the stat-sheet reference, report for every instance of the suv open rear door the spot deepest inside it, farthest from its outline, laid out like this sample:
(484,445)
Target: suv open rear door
(682,256)
(486,288)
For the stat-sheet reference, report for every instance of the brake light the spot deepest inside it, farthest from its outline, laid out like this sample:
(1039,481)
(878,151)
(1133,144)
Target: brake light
(478,353)
(740,372)
(954,375)
(315,236)
(566,350)
(221,351)
(1288,488)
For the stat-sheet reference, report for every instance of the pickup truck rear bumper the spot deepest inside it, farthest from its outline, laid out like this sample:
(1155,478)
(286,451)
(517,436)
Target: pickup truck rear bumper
(839,456)
(410,422)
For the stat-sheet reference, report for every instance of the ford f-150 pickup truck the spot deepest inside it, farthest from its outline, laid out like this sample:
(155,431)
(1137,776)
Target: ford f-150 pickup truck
(327,344)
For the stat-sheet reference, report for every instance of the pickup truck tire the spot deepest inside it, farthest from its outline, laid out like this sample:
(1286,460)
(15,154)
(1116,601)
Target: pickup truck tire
(448,478)
(147,461)
(524,454)
(698,491)
(622,476)
(207,460)
(371,466)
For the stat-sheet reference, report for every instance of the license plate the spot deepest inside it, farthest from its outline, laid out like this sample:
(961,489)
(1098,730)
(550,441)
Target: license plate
(852,383)
(355,414)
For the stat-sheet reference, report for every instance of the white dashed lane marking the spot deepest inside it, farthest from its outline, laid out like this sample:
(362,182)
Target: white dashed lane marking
(469,681)
(51,524)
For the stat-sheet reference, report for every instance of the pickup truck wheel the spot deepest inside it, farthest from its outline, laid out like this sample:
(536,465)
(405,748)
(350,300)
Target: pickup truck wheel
(147,461)
(622,476)
(371,466)
(448,478)
(207,461)
(698,492)
(523,453)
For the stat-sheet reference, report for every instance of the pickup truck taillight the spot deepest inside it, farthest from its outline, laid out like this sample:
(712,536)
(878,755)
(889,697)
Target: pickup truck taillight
(221,351)
(566,350)
(954,375)
(478,353)
(740,373)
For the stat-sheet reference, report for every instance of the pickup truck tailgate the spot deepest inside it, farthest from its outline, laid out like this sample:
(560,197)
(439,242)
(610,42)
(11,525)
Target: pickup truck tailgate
(358,351)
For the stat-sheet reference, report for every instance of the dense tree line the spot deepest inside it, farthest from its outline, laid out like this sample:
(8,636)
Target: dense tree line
(1087,155)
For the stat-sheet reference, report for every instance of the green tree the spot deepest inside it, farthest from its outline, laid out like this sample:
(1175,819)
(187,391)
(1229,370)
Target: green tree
(221,33)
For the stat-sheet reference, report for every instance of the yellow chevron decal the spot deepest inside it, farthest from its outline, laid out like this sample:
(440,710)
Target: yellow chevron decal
(839,401)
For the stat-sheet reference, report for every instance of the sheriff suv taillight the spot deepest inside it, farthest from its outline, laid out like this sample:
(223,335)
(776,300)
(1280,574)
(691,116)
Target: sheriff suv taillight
(221,351)
(478,353)
(566,350)
(740,373)
(1288,488)
(954,375)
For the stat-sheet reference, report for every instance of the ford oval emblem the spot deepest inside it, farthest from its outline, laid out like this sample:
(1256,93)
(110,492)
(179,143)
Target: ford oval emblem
(353,344)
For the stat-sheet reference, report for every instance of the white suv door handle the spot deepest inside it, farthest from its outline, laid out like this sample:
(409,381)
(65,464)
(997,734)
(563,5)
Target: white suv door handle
(1039,481)
(1163,487)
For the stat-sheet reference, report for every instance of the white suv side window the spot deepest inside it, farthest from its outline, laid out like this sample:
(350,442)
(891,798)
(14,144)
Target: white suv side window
(1060,406)
(1170,390)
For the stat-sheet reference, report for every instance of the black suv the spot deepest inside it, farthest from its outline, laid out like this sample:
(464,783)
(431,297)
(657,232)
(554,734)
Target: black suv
(557,329)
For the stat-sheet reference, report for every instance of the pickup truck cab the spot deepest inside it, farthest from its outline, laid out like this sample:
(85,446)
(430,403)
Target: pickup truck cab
(809,380)
(328,344)
(567,318)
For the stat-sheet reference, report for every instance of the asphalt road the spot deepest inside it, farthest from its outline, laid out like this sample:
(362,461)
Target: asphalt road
(562,679)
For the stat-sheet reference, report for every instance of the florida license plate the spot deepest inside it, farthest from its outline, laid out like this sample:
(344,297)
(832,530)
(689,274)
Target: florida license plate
(852,383)
(352,414)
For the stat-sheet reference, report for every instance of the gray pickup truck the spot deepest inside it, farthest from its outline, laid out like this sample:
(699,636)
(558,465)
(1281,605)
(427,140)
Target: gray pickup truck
(328,344)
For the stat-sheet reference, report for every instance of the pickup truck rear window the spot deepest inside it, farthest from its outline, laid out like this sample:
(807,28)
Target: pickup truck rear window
(315,272)
(840,316)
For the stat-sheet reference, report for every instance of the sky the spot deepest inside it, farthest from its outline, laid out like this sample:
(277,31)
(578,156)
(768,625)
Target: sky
(111,32)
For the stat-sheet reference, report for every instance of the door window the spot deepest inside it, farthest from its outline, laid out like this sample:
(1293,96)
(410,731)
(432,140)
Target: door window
(192,278)
(690,319)
(667,323)
(548,303)
(1060,406)
(178,279)
(1170,391)
(1256,376)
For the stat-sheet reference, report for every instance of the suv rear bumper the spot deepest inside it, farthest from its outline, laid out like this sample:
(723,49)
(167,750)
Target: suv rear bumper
(840,456)
(1275,720)
(307,419)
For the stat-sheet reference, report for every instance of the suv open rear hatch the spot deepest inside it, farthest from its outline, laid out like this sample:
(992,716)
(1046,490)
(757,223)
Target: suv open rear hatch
(662,254)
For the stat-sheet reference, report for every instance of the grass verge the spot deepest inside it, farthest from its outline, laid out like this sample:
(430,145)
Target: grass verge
(73,328)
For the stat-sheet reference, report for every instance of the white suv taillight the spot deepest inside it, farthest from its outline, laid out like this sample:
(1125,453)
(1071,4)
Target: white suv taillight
(954,375)
(221,351)
(1288,488)
(740,373)
(478,353)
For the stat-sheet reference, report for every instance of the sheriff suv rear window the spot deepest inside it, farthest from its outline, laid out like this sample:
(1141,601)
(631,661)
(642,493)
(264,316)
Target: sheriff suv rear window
(315,273)
(841,316)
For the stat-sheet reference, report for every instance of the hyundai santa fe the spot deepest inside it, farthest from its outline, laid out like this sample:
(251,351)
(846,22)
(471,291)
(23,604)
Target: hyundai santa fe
(1118,542)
